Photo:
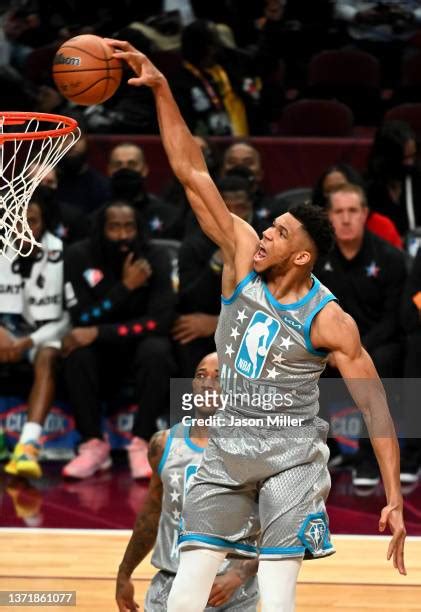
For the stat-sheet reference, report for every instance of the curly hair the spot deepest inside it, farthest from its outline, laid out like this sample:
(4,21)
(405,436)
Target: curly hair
(317,225)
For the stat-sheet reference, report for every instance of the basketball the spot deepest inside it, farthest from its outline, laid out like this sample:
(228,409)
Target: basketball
(85,71)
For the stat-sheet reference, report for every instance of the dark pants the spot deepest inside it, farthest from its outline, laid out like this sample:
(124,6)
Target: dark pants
(95,370)
(412,369)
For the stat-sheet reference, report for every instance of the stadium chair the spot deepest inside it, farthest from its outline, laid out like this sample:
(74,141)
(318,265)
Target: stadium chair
(411,113)
(324,118)
(350,76)
(409,88)
(291,197)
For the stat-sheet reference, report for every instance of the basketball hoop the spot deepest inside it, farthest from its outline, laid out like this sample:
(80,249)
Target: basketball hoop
(31,144)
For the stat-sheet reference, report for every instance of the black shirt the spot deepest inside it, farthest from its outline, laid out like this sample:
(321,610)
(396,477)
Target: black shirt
(369,287)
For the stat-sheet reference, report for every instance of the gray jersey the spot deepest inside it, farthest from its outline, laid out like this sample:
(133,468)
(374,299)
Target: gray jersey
(265,350)
(179,463)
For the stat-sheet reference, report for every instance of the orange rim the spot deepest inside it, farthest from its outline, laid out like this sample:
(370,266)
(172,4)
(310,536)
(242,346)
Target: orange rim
(19,118)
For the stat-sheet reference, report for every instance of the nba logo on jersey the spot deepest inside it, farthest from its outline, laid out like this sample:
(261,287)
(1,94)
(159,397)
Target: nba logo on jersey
(257,340)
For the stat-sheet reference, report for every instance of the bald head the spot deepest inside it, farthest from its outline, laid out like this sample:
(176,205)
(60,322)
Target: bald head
(127,155)
(243,154)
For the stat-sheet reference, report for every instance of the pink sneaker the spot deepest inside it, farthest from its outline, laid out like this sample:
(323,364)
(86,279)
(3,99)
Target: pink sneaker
(138,458)
(92,456)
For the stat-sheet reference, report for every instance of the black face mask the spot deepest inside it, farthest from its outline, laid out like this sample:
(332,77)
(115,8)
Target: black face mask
(72,165)
(127,184)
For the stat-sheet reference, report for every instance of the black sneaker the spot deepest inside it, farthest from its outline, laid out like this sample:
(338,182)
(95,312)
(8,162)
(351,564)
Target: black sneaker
(410,468)
(365,474)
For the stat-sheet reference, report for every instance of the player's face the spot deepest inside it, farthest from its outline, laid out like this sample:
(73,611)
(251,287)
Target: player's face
(243,155)
(120,225)
(280,244)
(130,157)
(238,203)
(348,216)
(206,379)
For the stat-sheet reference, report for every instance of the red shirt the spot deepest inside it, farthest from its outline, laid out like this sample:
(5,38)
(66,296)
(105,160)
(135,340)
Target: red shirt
(384,227)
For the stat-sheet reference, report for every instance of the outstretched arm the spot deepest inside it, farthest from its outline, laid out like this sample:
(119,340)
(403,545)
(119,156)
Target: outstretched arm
(185,156)
(337,332)
(145,529)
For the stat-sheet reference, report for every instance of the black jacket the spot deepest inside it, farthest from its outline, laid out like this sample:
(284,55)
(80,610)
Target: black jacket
(368,287)
(96,296)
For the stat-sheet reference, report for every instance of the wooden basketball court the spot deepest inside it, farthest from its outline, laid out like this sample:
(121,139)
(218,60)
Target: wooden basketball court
(356,579)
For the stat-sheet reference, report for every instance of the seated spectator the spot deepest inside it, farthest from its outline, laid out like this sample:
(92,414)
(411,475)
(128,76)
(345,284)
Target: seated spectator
(200,271)
(338,175)
(66,222)
(79,184)
(393,177)
(216,89)
(411,323)
(128,170)
(32,323)
(121,302)
(240,157)
(367,276)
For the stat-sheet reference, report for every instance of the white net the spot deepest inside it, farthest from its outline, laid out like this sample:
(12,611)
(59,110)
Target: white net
(26,157)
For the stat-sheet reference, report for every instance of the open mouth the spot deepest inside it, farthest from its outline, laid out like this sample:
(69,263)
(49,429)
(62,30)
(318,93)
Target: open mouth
(260,254)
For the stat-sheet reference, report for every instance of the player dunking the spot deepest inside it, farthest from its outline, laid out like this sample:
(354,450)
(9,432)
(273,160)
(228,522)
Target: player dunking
(175,456)
(262,279)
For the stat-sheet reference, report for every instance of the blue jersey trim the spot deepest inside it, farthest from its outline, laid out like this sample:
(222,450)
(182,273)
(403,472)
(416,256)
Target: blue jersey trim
(280,550)
(189,441)
(308,322)
(250,276)
(166,449)
(217,542)
(295,305)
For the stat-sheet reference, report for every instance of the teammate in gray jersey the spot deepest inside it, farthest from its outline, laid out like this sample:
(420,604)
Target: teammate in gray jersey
(276,329)
(175,456)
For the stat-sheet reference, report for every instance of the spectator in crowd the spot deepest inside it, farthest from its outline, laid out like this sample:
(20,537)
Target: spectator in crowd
(200,270)
(411,323)
(393,177)
(382,28)
(128,170)
(217,88)
(243,159)
(337,176)
(79,184)
(32,323)
(120,298)
(66,222)
(367,276)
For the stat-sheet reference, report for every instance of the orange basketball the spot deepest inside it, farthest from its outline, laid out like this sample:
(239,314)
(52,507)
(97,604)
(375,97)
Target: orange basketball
(84,70)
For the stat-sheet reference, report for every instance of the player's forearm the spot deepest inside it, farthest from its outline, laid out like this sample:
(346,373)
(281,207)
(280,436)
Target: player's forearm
(142,540)
(184,154)
(387,453)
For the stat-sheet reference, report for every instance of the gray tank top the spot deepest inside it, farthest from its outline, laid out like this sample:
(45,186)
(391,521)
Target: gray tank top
(178,464)
(265,351)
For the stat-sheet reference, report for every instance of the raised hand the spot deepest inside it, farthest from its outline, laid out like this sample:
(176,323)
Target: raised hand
(147,73)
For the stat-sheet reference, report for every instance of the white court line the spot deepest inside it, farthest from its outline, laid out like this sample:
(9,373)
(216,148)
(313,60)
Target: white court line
(124,532)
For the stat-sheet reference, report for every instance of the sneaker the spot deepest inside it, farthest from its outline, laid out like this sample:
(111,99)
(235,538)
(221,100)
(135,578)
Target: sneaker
(92,457)
(335,456)
(410,468)
(138,458)
(24,461)
(4,453)
(365,474)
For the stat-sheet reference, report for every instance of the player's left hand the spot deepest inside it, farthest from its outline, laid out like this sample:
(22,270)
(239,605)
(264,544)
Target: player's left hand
(392,516)
(224,588)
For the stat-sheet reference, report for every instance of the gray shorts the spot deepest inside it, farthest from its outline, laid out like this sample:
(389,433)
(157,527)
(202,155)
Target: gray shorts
(279,485)
(245,599)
